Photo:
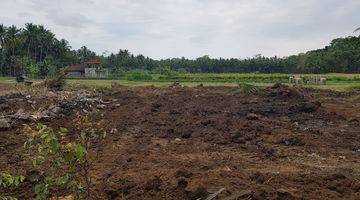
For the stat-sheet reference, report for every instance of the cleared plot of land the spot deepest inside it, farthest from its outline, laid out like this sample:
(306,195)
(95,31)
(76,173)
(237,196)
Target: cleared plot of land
(185,143)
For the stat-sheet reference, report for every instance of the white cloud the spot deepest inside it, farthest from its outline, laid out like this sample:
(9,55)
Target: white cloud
(191,28)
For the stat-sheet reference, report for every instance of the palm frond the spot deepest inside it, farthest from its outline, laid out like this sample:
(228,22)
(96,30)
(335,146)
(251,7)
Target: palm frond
(248,88)
(356,30)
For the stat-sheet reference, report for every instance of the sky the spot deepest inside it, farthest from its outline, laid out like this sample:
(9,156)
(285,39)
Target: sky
(190,28)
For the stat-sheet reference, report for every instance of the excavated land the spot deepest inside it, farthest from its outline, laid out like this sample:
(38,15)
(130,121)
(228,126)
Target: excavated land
(187,143)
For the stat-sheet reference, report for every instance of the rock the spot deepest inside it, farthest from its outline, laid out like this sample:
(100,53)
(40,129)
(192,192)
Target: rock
(100,106)
(44,114)
(31,102)
(114,131)
(4,125)
(21,115)
(54,109)
(252,116)
(40,116)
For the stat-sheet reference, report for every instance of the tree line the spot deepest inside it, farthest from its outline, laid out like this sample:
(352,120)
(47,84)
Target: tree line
(35,51)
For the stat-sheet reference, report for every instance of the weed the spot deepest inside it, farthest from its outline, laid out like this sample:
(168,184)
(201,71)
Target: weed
(7,180)
(63,164)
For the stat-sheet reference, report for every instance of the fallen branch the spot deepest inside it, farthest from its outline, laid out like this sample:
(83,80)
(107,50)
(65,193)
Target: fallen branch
(211,196)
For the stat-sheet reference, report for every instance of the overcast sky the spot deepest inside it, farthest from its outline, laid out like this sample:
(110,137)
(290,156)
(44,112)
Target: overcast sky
(190,28)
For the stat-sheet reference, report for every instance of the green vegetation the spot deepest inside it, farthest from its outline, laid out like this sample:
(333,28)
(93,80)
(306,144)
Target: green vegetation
(339,82)
(7,180)
(252,77)
(138,75)
(63,163)
(36,52)
(56,81)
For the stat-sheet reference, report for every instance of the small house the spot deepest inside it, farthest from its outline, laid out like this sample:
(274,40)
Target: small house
(89,69)
(75,71)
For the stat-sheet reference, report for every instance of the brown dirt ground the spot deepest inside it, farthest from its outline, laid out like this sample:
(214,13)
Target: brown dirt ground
(185,143)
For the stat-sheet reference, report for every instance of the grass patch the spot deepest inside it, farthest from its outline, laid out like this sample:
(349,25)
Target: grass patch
(339,82)
(138,75)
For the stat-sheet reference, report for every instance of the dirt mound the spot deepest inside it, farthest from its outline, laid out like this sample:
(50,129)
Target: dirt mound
(285,91)
(187,143)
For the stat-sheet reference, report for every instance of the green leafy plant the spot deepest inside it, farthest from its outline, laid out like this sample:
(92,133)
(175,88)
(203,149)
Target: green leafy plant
(63,164)
(7,180)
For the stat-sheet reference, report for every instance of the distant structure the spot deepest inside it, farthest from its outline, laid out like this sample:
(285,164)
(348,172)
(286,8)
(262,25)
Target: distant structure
(307,80)
(89,69)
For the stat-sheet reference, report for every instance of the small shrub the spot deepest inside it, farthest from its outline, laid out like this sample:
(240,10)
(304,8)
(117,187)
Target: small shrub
(63,164)
(7,180)
(56,82)
(138,75)
(166,71)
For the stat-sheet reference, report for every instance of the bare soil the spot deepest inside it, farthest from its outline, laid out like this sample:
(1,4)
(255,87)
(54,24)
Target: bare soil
(186,143)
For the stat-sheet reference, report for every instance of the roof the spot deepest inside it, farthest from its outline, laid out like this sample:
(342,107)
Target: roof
(75,68)
(93,62)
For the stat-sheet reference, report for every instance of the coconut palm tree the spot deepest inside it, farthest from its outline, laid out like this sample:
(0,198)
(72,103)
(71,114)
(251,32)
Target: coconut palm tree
(12,42)
(2,35)
(2,38)
(29,34)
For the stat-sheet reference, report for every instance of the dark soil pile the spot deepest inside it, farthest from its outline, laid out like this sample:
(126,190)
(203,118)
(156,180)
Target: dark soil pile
(186,143)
